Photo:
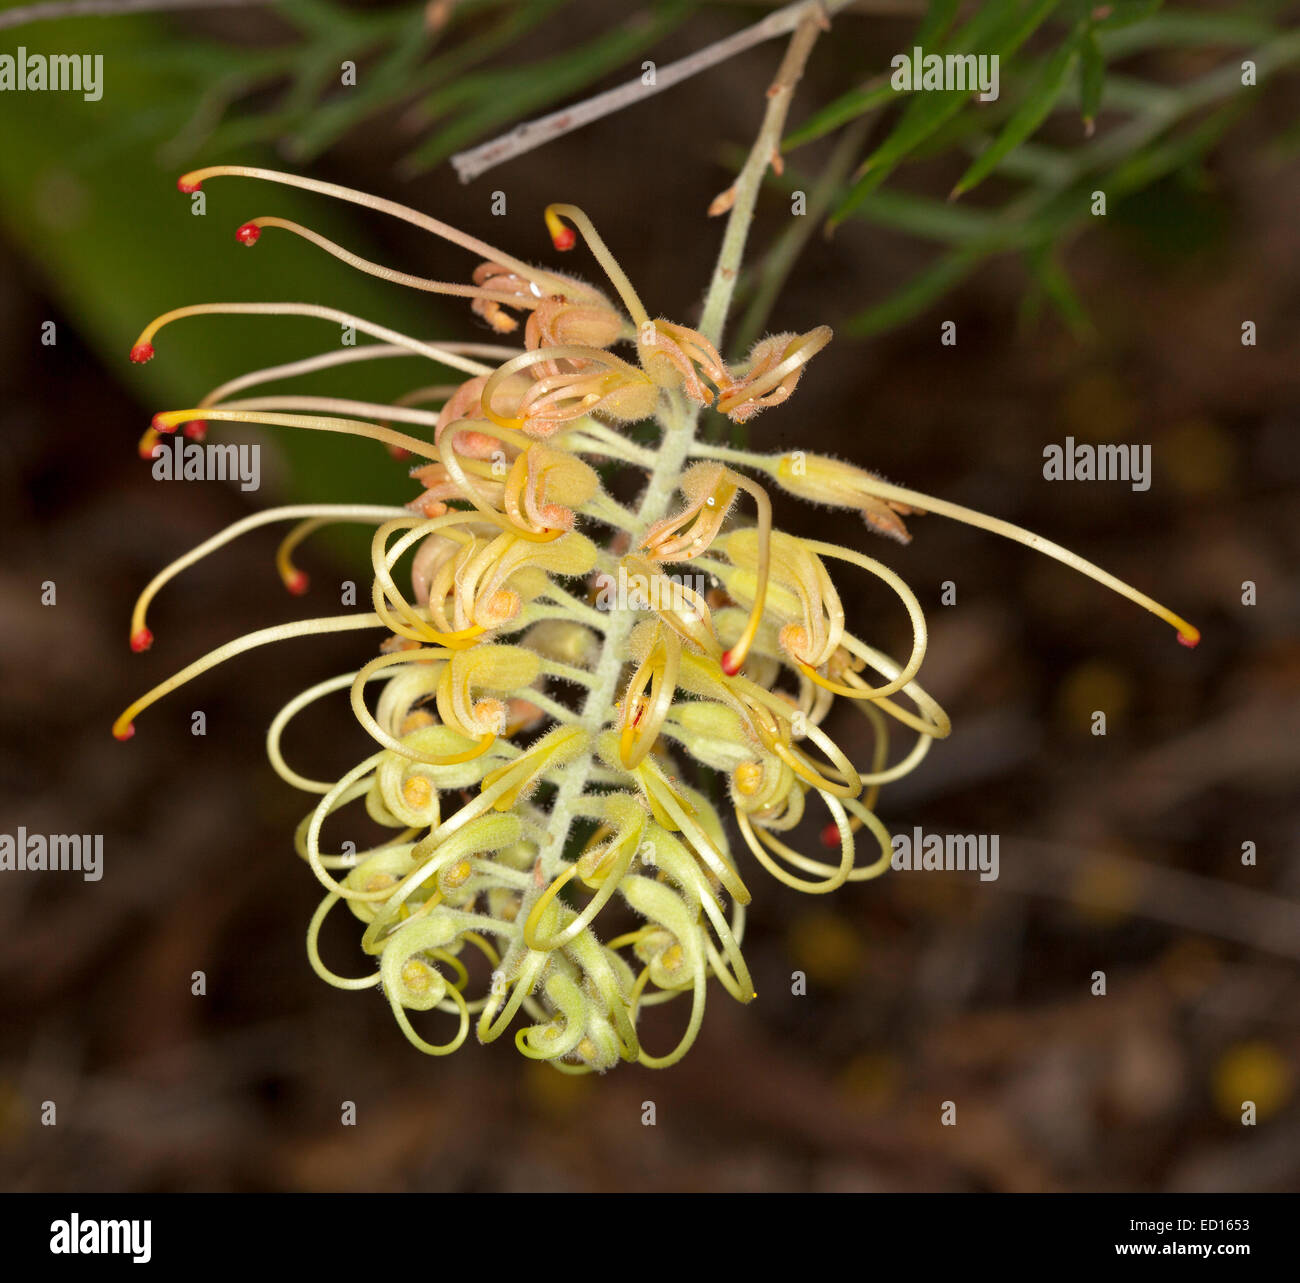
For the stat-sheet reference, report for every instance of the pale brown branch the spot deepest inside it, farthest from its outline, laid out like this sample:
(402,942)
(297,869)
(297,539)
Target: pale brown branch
(523,138)
(107,9)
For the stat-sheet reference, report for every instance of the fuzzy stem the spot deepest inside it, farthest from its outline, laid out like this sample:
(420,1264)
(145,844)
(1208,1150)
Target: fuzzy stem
(679,420)
(743,194)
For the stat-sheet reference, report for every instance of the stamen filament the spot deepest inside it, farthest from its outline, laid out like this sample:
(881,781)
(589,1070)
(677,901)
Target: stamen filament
(169,420)
(1188,635)
(123,727)
(191,181)
(144,350)
(562,237)
(336,405)
(345,356)
(522,301)
(323,512)
(734,659)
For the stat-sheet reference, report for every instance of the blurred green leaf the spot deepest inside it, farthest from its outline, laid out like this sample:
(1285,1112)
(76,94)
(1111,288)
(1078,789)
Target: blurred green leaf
(1180,27)
(116,245)
(1054,284)
(494,100)
(1036,107)
(857,102)
(997,29)
(1124,13)
(933,219)
(1040,226)
(378,86)
(1092,79)
(518,21)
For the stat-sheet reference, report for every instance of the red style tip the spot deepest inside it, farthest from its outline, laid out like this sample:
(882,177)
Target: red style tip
(731,666)
(141,353)
(187,185)
(125,733)
(196,429)
(141,641)
(566,238)
(248,234)
(1190,640)
(398,452)
(831,835)
(298,582)
(150,450)
(163,429)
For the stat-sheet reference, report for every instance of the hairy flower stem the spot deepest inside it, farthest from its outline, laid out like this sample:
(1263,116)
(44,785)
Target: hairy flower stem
(679,421)
(741,197)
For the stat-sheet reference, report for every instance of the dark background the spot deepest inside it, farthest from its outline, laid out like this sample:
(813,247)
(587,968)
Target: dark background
(1119,853)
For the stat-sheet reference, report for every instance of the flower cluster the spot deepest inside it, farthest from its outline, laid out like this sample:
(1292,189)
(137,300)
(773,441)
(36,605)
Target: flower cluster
(532,735)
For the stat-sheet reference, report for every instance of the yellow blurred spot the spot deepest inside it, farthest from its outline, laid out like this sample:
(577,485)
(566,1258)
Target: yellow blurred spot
(1097,407)
(1105,890)
(1198,457)
(872,1080)
(1252,1071)
(1092,687)
(822,944)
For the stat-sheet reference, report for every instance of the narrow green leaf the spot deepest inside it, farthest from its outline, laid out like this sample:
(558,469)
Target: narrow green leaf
(930,108)
(1182,28)
(470,52)
(381,85)
(996,29)
(1031,113)
(934,26)
(1124,13)
(849,106)
(1092,79)
(933,219)
(1163,157)
(1045,267)
(507,97)
(857,102)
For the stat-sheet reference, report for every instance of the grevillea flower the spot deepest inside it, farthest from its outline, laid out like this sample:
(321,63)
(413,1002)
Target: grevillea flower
(529,747)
